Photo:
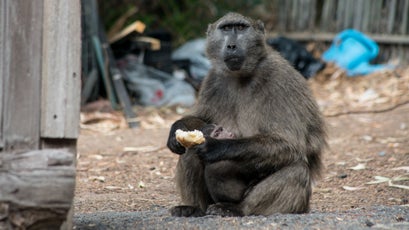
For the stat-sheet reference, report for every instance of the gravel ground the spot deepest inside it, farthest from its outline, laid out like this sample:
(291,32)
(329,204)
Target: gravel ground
(379,217)
(118,189)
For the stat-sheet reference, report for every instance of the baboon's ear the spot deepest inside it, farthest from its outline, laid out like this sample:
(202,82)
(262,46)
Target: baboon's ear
(210,29)
(260,26)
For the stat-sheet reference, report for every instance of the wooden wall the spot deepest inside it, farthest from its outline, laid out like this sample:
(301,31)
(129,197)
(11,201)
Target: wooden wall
(372,16)
(40,59)
(385,21)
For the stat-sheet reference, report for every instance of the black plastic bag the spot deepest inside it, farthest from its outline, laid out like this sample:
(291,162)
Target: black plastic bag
(297,55)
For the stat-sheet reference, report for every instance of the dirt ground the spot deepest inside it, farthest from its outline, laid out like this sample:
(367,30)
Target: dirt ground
(366,164)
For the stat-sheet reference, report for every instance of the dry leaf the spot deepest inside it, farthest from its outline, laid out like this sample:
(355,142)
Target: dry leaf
(323,190)
(98,178)
(379,179)
(143,149)
(348,188)
(368,95)
(402,168)
(398,185)
(359,166)
(367,138)
(113,188)
(96,156)
(400,178)
(363,160)
(381,100)
(120,161)
(390,140)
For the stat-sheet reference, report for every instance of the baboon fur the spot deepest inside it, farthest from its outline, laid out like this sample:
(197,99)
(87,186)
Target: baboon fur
(278,132)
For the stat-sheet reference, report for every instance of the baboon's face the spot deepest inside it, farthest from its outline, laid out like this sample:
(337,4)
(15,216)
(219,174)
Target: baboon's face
(236,41)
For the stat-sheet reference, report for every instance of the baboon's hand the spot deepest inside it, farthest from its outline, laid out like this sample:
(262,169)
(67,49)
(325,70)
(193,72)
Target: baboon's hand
(173,144)
(210,151)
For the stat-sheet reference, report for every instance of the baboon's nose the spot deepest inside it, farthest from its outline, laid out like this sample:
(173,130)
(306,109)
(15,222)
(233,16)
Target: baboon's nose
(231,46)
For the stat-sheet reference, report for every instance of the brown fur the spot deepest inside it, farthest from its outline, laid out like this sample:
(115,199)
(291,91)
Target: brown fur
(278,133)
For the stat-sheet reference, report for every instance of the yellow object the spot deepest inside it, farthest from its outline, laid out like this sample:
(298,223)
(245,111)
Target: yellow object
(189,138)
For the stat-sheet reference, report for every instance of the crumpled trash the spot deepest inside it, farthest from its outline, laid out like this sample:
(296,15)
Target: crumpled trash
(297,55)
(195,52)
(352,50)
(152,87)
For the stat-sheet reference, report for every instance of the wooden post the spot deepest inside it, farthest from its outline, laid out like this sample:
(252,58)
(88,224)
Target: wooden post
(21,72)
(40,64)
(61,57)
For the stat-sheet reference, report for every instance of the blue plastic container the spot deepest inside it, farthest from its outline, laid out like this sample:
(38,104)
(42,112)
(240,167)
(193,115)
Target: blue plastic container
(352,50)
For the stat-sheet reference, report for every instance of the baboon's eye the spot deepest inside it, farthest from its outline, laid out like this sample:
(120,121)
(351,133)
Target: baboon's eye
(241,27)
(227,27)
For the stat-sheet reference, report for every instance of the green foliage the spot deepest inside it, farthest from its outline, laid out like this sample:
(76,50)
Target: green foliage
(184,19)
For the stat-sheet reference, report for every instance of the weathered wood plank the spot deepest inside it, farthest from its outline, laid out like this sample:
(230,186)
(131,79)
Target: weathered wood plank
(39,178)
(404,23)
(357,9)
(313,15)
(60,99)
(30,218)
(21,73)
(310,36)
(327,18)
(2,47)
(340,15)
(294,14)
(366,14)
(348,13)
(376,17)
(391,15)
(37,188)
(283,15)
(304,14)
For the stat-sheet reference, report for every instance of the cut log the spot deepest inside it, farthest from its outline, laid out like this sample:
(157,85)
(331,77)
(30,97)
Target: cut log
(37,187)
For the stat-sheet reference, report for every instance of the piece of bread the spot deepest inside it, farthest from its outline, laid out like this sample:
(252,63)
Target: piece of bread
(189,138)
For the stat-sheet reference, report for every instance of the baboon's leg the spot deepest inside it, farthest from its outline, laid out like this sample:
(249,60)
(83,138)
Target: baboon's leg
(191,186)
(285,191)
(226,181)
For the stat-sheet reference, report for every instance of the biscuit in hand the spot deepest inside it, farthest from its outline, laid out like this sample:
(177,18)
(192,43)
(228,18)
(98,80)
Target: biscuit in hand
(189,138)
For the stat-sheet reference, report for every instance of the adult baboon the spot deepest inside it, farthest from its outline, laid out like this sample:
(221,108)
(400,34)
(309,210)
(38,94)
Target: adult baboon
(278,133)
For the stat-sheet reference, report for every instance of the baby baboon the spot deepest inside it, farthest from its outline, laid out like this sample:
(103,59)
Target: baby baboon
(216,131)
(277,134)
